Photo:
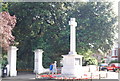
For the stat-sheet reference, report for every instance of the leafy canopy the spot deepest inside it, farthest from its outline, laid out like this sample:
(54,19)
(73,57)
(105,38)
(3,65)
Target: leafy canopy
(45,26)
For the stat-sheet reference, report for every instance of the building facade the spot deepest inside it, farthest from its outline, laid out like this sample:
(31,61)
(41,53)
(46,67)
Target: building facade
(112,55)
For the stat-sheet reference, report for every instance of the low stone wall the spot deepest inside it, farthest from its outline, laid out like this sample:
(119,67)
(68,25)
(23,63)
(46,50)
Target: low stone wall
(85,69)
(90,68)
(45,70)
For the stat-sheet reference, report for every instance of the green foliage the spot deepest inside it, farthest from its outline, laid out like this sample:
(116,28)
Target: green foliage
(24,64)
(92,61)
(0,7)
(95,26)
(45,26)
(3,60)
(87,56)
(3,6)
(115,61)
(103,61)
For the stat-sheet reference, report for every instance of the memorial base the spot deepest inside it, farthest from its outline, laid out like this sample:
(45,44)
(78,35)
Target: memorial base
(72,65)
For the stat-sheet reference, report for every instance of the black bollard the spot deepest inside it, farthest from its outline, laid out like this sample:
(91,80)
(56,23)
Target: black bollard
(4,72)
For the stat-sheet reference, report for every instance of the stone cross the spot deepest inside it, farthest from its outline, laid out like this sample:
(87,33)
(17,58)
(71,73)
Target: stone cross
(72,24)
(72,63)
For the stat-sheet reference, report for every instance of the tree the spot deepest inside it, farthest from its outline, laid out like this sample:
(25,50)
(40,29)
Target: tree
(97,25)
(7,23)
(35,27)
(45,25)
(96,28)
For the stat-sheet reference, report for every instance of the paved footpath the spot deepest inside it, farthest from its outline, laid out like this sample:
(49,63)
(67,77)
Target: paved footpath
(21,76)
(31,77)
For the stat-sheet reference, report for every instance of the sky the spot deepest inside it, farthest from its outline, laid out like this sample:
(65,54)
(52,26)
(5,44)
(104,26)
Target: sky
(115,7)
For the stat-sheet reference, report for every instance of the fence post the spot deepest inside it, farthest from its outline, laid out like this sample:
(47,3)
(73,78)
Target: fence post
(99,76)
(106,74)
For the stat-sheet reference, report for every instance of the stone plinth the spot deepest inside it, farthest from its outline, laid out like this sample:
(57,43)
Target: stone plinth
(12,54)
(72,65)
(38,68)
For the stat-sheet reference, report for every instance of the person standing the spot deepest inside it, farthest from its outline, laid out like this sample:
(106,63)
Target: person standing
(54,70)
(51,68)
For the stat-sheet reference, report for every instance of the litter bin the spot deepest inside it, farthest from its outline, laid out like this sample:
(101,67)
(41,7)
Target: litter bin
(4,71)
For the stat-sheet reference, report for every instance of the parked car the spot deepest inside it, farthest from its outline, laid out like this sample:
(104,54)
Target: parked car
(113,67)
(102,67)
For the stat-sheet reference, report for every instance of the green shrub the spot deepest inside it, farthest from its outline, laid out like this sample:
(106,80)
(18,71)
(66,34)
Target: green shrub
(3,62)
(24,65)
(92,61)
(115,61)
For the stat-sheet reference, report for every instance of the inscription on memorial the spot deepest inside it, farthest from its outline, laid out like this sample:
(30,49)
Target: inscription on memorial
(77,61)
